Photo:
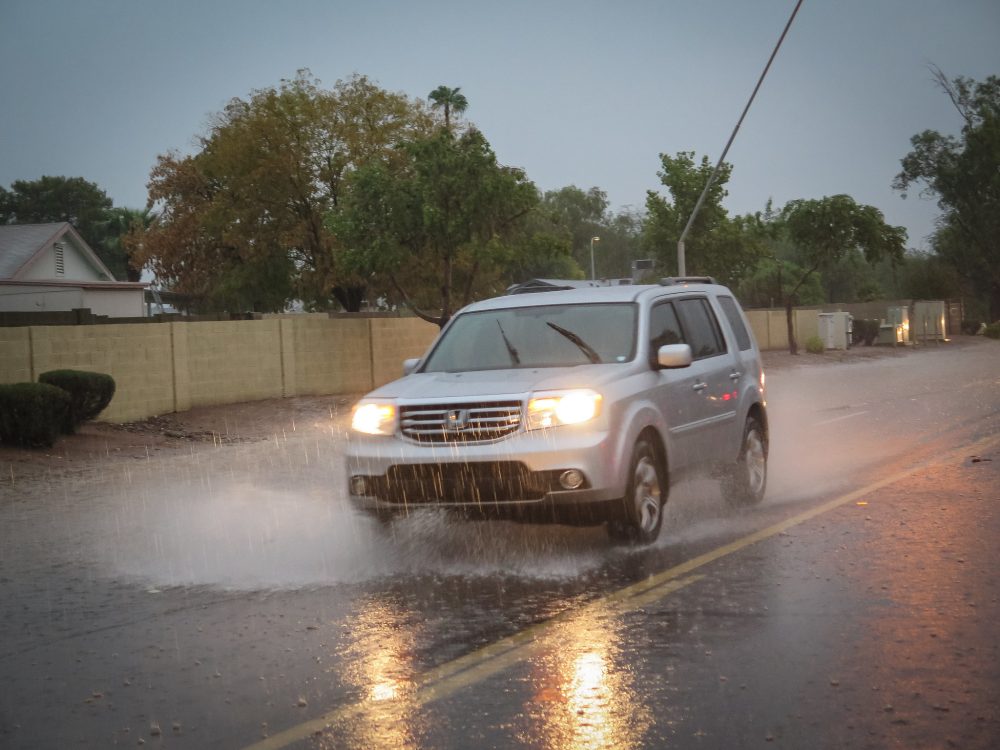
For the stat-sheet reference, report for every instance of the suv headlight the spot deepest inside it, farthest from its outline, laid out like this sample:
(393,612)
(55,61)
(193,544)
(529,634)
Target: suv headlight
(374,418)
(564,407)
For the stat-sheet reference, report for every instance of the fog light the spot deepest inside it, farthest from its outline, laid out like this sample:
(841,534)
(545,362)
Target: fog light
(571,479)
(359,486)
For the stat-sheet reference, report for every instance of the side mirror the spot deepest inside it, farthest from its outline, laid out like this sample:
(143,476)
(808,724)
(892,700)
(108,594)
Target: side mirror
(409,365)
(674,356)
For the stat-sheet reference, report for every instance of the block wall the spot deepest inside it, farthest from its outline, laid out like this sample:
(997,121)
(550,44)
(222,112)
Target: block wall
(15,355)
(164,367)
(233,360)
(323,356)
(138,357)
(396,339)
(770,327)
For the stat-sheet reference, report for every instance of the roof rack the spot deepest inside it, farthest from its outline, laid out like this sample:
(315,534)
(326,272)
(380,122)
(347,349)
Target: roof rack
(671,280)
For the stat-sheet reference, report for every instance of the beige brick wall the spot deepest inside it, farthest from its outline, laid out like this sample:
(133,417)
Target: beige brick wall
(138,357)
(234,360)
(15,355)
(770,327)
(396,339)
(324,355)
(159,368)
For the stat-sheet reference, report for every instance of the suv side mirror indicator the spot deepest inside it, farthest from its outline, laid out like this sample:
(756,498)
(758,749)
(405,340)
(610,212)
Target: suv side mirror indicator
(409,365)
(674,356)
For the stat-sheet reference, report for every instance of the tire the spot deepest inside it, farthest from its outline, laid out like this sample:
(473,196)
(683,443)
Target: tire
(747,480)
(644,498)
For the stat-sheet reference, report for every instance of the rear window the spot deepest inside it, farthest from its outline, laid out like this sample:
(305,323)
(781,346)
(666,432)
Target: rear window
(732,313)
(542,336)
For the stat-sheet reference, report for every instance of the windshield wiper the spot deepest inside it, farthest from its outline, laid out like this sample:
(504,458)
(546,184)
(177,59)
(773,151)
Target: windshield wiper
(514,358)
(584,347)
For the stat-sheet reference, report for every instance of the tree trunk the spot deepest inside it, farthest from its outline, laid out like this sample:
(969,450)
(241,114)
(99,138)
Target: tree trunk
(793,348)
(350,297)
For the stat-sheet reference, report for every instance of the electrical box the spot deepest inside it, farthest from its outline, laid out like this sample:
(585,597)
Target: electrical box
(835,329)
(895,329)
(928,322)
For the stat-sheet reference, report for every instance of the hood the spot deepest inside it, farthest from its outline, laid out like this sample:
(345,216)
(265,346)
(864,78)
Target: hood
(506,383)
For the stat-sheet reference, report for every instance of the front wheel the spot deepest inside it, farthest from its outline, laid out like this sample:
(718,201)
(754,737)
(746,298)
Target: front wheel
(644,497)
(747,480)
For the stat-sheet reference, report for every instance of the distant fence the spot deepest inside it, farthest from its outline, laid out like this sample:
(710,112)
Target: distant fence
(770,327)
(166,367)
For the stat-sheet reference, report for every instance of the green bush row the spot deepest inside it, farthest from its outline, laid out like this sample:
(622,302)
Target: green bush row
(33,414)
(992,330)
(814,345)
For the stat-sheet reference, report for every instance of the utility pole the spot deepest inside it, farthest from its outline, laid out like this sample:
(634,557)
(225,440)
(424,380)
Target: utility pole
(681,267)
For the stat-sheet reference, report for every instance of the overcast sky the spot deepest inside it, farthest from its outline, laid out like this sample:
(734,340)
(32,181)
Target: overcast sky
(579,93)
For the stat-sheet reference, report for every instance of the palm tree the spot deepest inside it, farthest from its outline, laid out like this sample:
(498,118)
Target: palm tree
(451,99)
(120,224)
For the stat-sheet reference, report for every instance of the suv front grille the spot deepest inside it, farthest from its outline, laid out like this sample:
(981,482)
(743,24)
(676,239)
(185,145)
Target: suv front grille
(460,423)
(465,483)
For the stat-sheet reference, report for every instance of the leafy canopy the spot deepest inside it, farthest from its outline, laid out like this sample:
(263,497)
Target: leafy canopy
(438,227)
(963,173)
(243,222)
(717,245)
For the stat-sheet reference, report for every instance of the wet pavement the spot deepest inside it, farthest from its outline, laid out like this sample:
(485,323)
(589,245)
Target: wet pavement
(231,597)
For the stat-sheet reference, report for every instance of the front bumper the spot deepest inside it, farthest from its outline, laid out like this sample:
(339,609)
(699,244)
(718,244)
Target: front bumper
(517,478)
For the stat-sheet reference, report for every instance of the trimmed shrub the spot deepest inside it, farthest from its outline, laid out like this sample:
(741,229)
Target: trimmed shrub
(993,330)
(32,414)
(814,345)
(89,392)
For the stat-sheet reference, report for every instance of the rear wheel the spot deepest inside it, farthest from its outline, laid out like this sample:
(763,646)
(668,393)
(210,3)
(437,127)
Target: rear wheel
(747,480)
(644,498)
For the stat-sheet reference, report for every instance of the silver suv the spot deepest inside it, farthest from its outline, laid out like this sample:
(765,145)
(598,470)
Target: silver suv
(579,406)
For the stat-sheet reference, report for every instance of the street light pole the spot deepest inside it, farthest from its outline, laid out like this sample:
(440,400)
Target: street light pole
(593,276)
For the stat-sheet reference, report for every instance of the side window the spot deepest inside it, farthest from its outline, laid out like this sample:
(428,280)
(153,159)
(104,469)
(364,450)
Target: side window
(664,329)
(701,327)
(736,322)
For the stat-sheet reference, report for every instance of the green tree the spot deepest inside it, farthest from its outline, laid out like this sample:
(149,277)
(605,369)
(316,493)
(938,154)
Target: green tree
(243,223)
(963,172)
(768,285)
(437,228)
(83,204)
(717,245)
(450,100)
(825,231)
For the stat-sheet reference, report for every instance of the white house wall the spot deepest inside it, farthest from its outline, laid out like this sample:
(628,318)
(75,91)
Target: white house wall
(15,298)
(115,303)
(76,267)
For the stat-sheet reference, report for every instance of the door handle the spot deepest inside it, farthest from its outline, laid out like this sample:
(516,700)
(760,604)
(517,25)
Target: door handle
(735,375)
(700,386)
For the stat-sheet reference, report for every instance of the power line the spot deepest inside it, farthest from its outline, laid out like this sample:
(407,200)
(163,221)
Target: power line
(681,270)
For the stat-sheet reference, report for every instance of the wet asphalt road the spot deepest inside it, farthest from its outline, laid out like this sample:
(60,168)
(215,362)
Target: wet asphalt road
(231,597)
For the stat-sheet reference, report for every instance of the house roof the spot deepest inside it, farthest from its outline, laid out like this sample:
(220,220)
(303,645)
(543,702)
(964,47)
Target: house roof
(22,244)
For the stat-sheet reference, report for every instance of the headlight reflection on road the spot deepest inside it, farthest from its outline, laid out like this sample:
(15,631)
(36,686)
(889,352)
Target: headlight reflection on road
(585,697)
(382,670)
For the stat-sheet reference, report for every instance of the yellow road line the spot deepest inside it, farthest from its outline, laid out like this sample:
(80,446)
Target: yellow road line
(472,668)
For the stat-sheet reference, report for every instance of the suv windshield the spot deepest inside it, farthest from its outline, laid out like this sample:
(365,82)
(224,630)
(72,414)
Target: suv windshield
(543,336)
